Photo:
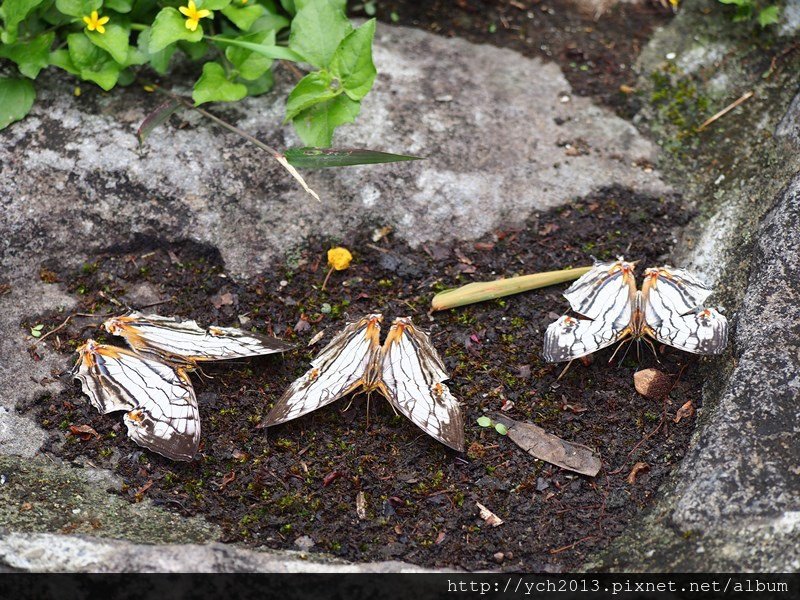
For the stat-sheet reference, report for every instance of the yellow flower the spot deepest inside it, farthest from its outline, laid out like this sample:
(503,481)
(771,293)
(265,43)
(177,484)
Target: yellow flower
(95,22)
(339,258)
(193,15)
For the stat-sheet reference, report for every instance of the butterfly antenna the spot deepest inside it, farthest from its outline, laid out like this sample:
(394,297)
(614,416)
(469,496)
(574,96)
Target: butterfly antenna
(630,345)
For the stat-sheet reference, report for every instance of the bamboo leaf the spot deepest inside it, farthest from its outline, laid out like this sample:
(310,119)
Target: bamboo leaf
(157,117)
(480,291)
(320,158)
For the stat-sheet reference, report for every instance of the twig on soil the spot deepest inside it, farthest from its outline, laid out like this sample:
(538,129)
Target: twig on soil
(572,545)
(65,322)
(726,110)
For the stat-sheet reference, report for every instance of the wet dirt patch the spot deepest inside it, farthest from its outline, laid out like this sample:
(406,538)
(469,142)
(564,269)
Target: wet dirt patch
(300,480)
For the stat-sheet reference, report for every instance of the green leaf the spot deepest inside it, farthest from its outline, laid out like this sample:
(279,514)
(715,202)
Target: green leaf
(270,21)
(352,61)
(212,4)
(120,6)
(214,86)
(13,12)
(312,89)
(78,8)
(16,99)
(484,421)
(317,30)
(157,117)
(243,16)
(340,4)
(769,16)
(276,52)
(289,7)
(251,65)
(319,158)
(261,85)
(159,61)
(316,125)
(500,428)
(31,57)
(170,27)
(114,40)
(93,63)
(61,59)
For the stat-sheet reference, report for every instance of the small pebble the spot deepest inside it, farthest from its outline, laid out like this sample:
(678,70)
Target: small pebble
(499,557)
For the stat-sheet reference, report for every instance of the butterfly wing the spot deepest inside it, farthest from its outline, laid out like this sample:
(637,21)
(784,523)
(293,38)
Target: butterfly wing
(412,375)
(605,292)
(605,295)
(676,289)
(570,338)
(337,370)
(188,342)
(160,404)
(672,316)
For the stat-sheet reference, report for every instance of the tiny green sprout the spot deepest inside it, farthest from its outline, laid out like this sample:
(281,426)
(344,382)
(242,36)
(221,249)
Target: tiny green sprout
(484,422)
(500,428)
(36,330)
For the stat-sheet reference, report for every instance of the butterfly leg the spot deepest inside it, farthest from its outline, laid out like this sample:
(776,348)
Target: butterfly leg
(564,372)
(621,344)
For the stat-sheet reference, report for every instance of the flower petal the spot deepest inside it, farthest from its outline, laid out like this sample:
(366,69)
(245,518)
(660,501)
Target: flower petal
(184,10)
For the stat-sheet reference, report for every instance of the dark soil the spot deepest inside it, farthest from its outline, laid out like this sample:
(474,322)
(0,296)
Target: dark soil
(596,48)
(271,486)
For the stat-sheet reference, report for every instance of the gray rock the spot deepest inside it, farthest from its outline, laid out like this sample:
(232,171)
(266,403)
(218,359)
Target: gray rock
(49,553)
(74,175)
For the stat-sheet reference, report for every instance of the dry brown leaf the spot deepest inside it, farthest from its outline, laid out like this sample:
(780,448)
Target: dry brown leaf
(440,538)
(221,300)
(684,412)
(361,506)
(551,448)
(652,383)
(488,516)
(84,432)
(228,478)
(637,468)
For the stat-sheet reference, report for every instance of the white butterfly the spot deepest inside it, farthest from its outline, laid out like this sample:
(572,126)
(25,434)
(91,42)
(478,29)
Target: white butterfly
(186,341)
(161,408)
(668,308)
(406,370)
(151,382)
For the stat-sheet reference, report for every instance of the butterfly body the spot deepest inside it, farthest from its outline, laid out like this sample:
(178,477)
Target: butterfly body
(667,309)
(406,370)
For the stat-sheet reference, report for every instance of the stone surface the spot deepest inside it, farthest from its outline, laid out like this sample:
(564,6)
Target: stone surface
(486,119)
(54,553)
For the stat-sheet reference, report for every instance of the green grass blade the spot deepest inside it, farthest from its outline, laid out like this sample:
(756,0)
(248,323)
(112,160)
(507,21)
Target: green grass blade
(320,158)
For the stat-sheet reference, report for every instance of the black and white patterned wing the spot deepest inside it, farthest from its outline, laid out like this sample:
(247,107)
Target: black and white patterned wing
(186,341)
(570,338)
(338,370)
(605,292)
(160,404)
(677,289)
(412,374)
(673,315)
